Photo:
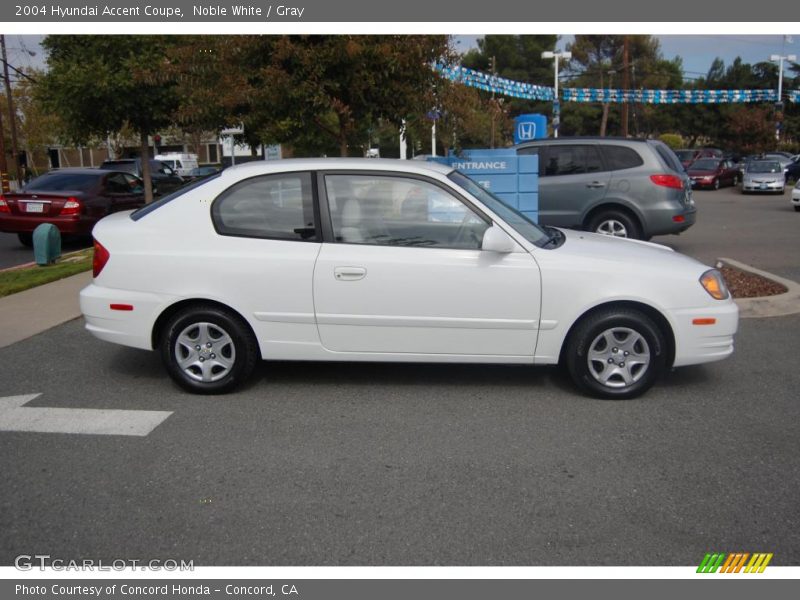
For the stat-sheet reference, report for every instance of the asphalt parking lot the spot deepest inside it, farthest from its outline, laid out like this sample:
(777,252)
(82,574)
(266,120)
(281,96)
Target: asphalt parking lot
(352,464)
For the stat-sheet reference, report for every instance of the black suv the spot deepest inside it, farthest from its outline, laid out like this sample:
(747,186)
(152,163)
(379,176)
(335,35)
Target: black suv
(165,179)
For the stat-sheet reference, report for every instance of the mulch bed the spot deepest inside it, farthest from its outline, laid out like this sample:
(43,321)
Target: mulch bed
(749,285)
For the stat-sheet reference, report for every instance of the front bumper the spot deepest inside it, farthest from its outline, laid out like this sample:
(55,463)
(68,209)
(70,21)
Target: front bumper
(771,186)
(696,344)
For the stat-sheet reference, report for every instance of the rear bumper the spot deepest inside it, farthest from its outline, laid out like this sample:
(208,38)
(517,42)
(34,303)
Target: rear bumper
(127,327)
(674,219)
(696,344)
(73,225)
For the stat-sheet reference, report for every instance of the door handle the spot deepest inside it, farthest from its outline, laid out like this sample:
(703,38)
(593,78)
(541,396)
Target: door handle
(349,273)
(596,184)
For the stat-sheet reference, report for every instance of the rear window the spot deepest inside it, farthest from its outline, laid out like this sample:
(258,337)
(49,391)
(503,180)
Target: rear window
(148,208)
(620,157)
(119,165)
(57,182)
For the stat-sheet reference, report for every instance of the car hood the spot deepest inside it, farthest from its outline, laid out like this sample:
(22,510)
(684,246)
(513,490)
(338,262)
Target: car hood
(625,253)
(765,176)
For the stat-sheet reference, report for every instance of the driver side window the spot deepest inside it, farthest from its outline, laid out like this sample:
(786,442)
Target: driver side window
(400,211)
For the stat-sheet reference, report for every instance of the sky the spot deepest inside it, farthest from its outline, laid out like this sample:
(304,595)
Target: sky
(697,51)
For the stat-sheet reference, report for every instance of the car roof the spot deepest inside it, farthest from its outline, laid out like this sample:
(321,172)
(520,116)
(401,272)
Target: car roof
(339,164)
(75,170)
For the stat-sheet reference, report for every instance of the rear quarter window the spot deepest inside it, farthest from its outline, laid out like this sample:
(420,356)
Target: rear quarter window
(620,157)
(668,157)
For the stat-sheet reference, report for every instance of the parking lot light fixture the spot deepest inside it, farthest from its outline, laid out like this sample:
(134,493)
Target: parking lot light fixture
(556,108)
(779,58)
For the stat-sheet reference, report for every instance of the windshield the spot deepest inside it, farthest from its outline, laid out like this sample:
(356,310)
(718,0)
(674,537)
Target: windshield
(705,164)
(63,181)
(521,224)
(764,166)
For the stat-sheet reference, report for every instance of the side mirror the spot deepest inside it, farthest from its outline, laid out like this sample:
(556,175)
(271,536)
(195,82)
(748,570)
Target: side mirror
(497,240)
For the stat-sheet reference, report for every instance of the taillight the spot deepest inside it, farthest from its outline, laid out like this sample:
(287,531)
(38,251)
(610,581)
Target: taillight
(100,259)
(71,207)
(4,205)
(670,181)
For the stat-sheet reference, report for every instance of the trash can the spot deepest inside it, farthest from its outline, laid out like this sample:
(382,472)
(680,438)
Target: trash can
(46,244)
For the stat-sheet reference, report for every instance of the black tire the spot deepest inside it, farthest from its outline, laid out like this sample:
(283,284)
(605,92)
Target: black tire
(602,223)
(588,335)
(735,180)
(241,352)
(797,208)
(26,239)
(716,183)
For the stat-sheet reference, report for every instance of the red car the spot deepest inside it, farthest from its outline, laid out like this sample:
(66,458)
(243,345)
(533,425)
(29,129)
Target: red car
(713,173)
(71,199)
(687,157)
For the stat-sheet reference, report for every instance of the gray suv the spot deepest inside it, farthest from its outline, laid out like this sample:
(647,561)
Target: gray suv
(621,187)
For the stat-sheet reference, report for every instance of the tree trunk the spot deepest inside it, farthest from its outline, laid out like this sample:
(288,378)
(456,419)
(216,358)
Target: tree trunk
(145,158)
(604,120)
(343,144)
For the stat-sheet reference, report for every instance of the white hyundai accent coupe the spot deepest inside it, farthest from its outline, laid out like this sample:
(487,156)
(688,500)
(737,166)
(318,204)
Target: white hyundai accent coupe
(389,260)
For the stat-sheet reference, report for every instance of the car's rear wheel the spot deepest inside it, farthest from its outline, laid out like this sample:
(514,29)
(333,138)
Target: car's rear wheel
(26,239)
(615,223)
(615,354)
(208,350)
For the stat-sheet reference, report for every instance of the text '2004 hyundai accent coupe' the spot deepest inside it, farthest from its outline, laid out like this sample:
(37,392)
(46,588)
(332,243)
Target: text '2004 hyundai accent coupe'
(387,260)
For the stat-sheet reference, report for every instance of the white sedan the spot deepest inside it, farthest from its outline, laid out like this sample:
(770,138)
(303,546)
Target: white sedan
(388,260)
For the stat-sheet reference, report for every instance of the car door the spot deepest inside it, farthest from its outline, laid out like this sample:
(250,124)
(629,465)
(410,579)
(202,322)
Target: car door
(572,179)
(401,272)
(117,190)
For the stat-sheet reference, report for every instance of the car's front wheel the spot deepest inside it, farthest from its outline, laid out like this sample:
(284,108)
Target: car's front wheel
(615,354)
(208,350)
(716,183)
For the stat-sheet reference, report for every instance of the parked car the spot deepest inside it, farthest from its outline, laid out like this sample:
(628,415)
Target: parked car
(71,199)
(688,156)
(793,171)
(342,260)
(796,196)
(621,187)
(200,173)
(763,176)
(713,173)
(165,180)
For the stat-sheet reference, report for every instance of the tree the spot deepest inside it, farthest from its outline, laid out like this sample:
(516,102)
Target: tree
(96,85)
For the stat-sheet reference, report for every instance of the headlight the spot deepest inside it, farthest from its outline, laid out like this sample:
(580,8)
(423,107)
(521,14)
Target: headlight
(713,283)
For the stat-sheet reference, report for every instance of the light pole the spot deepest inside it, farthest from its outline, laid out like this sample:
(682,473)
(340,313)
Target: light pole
(556,106)
(779,58)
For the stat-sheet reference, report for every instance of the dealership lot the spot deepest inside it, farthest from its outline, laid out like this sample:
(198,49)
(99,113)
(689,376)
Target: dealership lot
(408,464)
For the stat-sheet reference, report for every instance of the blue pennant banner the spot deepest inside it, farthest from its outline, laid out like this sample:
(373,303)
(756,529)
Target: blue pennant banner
(529,91)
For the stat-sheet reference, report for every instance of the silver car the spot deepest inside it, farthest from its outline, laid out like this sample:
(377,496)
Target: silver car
(620,187)
(763,176)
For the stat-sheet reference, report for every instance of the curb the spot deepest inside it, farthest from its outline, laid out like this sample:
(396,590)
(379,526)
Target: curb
(779,305)
(33,264)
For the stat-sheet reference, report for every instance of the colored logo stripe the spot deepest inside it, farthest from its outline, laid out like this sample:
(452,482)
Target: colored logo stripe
(734,562)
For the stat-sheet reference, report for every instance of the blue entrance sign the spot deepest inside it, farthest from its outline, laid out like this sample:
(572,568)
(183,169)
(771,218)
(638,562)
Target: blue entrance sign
(514,179)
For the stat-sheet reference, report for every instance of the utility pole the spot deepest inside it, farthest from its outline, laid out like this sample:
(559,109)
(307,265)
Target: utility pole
(494,102)
(3,163)
(606,105)
(11,113)
(626,83)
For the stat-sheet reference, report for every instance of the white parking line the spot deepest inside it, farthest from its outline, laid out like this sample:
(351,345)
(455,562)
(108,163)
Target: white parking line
(14,416)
